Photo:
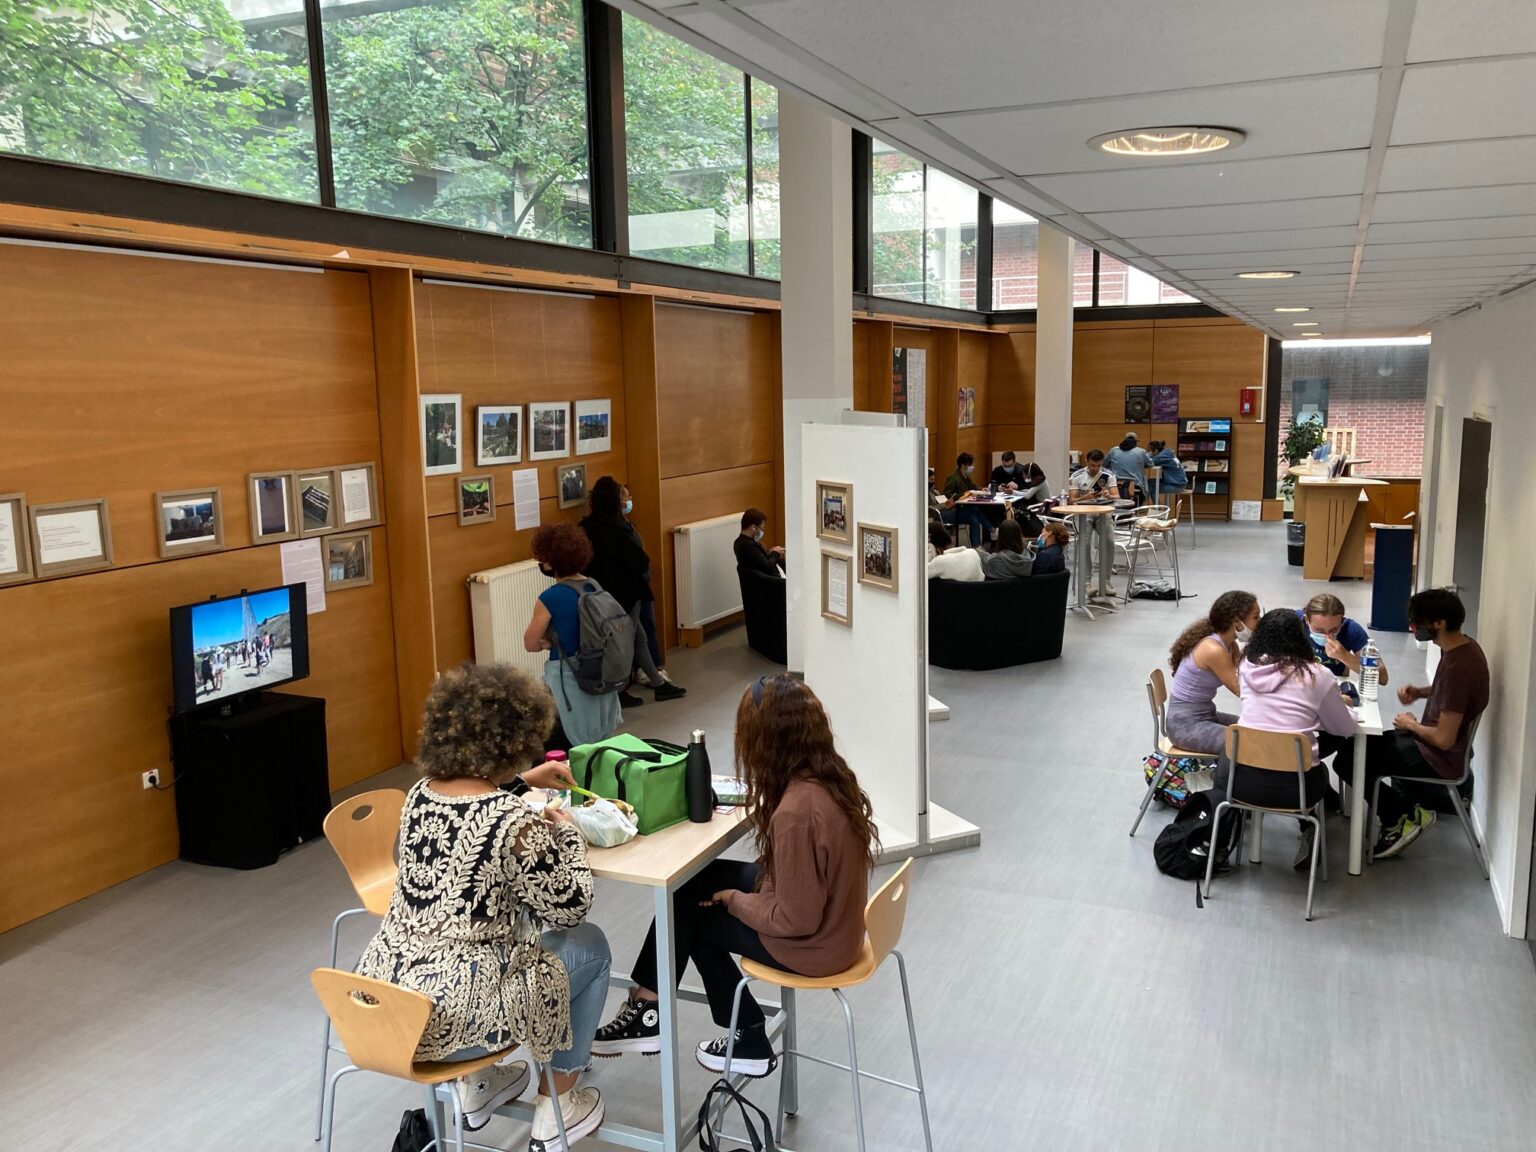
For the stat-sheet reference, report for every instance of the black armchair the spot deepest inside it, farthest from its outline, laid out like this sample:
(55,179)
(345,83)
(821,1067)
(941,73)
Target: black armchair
(996,623)
(762,604)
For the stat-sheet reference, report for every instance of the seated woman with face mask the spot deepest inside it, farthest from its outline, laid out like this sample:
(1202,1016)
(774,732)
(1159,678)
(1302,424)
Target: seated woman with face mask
(1202,660)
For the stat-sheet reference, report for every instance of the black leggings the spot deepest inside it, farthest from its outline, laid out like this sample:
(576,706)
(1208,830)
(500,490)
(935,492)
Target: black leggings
(708,937)
(1268,788)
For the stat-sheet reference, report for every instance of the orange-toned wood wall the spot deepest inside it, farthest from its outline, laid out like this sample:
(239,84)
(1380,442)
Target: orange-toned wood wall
(126,375)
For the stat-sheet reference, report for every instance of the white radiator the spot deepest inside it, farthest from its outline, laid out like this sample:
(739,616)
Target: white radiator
(501,602)
(704,565)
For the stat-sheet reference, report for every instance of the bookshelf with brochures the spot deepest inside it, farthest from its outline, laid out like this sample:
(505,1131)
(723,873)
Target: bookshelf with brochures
(1205,450)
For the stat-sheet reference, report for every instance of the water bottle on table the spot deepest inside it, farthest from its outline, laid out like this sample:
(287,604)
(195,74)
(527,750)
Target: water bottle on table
(1370,670)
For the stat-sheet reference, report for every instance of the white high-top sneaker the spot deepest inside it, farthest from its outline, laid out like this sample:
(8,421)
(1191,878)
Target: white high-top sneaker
(482,1092)
(582,1109)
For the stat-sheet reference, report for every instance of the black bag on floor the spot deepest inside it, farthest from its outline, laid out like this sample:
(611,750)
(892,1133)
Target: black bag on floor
(415,1133)
(721,1094)
(1183,847)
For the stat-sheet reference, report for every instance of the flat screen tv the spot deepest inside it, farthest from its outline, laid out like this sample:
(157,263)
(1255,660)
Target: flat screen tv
(221,649)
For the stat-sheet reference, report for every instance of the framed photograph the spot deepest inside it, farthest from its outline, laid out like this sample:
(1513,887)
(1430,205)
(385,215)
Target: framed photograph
(834,511)
(188,522)
(441,439)
(75,536)
(571,483)
(15,543)
(357,494)
(498,434)
(594,431)
(274,512)
(549,431)
(836,588)
(348,560)
(477,500)
(318,504)
(877,556)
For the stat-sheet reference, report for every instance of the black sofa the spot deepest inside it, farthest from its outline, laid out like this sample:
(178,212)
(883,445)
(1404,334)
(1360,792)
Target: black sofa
(996,623)
(762,604)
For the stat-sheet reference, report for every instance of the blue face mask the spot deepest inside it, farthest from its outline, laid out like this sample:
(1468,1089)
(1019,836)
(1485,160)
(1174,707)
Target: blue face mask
(629,506)
(1319,639)
(1040,542)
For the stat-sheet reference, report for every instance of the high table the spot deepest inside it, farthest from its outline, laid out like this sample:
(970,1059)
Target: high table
(1080,565)
(1335,513)
(1367,723)
(663,862)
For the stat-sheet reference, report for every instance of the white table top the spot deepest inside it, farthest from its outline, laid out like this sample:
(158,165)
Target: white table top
(661,858)
(1000,498)
(1087,509)
(1368,718)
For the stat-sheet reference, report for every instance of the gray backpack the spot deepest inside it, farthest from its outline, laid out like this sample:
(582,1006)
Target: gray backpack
(607,654)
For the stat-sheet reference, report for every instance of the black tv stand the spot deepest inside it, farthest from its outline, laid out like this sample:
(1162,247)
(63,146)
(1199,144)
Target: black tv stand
(252,784)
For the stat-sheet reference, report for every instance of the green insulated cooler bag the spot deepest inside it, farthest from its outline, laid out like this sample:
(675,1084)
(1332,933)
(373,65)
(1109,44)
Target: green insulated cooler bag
(646,774)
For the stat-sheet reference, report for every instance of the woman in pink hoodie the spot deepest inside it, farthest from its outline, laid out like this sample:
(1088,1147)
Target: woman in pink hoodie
(1285,689)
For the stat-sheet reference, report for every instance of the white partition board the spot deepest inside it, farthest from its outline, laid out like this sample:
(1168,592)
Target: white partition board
(873,677)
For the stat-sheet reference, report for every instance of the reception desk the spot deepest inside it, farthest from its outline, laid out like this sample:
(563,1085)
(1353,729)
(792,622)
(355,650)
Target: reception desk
(1337,515)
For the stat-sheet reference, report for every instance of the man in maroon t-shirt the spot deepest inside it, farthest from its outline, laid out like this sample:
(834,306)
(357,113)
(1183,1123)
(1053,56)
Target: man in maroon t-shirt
(1437,744)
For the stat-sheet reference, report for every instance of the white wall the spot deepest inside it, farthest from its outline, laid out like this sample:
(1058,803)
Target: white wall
(1483,363)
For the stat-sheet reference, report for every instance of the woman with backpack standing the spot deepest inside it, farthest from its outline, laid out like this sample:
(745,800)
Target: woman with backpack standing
(563,552)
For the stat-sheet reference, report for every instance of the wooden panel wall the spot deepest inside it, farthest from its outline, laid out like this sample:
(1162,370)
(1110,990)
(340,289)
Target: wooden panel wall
(126,375)
(493,346)
(719,412)
(1011,392)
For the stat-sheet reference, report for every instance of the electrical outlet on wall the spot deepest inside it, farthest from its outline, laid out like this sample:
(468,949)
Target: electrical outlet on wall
(151,779)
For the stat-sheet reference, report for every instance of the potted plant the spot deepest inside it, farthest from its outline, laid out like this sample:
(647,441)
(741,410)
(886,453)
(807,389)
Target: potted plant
(1301,438)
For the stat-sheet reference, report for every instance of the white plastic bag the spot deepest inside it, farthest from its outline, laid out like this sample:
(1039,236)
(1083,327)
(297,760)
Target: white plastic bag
(604,824)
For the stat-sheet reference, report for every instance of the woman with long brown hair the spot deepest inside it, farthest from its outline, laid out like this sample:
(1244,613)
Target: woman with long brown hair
(800,907)
(1203,659)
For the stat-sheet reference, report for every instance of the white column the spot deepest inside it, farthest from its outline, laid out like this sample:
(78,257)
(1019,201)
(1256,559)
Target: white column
(1053,355)
(816,292)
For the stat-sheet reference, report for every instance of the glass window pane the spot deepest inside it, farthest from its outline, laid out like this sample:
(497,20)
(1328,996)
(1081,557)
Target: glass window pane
(1015,257)
(462,112)
(206,91)
(949,214)
(1082,275)
(685,118)
(897,256)
(765,178)
(1119,283)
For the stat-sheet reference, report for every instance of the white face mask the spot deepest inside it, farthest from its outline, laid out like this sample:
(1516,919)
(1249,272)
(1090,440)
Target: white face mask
(1243,634)
(757,534)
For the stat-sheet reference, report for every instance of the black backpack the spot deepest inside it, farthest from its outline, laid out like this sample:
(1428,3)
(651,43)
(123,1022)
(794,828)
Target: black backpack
(1183,847)
(415,1133)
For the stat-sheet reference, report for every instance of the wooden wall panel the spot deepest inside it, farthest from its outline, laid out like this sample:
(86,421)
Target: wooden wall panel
(1104,362)
(127,375)
(882,344)
(1211,363)
(1011,380)
(862,384)
(716,389)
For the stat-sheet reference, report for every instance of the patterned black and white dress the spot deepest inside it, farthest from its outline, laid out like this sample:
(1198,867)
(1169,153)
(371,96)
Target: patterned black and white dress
(479,876)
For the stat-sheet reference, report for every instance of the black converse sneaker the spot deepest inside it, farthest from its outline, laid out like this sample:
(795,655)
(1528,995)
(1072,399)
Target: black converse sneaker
(753,1055)
(637,1028)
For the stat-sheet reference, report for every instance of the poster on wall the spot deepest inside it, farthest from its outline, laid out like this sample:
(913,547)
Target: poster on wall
(1138,404)
(441,444)
(71,537)
(1165,403)
(549,431)
(593,426)
(15,555)
(909,384)
(304,563)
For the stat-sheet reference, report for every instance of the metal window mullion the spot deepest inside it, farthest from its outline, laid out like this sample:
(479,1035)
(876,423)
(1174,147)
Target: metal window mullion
(320,101)
(746,89)
(1095,278)
(607,152)
(863,212)
(984,250)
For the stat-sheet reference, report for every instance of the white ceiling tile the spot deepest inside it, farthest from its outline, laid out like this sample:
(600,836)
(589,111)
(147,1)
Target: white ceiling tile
(1459,29)
(921,139)
(1023,198)
(1379,257)
(1466,101)
(977,54)
(1298,258)
(1260,241)
(1453,203)
(1486,228)
(1220,272)
(1319,213)
(1316,114)
(1460,165)
(1212,182)
(1433,249)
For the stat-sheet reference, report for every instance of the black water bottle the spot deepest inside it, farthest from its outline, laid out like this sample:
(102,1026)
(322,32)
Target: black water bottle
(699,781)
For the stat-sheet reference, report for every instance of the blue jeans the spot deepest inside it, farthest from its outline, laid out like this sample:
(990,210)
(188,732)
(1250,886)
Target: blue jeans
(584,952)
(981,524)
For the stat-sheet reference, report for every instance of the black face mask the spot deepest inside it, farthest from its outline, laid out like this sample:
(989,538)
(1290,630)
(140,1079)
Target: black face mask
(546,569)
(1423,635)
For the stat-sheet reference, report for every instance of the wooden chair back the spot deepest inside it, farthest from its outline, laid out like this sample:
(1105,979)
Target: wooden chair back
(1272,751)
(886,913)
(363,830)
(380,1024)
(1341,442)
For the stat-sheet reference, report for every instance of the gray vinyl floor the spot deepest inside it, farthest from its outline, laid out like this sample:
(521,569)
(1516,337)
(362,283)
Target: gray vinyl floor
(1068,995)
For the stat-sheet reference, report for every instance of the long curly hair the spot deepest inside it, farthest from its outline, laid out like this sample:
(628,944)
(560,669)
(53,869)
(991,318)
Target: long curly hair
(485,721)
(1281,639)
(1228,608)
(783,735)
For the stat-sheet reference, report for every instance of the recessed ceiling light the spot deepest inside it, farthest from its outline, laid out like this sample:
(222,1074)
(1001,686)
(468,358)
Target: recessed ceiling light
(1267,274)
(1293,309)
(1319,335)
(1168,140)
(1305,323)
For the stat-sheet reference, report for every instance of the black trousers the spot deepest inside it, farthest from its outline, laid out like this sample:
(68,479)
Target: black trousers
(1390,754)
(1268,788)
(709,937)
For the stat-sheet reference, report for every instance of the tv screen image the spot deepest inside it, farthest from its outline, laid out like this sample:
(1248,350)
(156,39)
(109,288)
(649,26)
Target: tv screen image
(227,647)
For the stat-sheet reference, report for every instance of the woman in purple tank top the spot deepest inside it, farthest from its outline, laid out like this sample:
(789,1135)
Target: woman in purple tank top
(1203,659)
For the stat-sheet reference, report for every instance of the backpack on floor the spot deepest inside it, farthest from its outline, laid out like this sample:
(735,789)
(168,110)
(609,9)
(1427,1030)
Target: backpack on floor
(1174,791)
(604,660)
(716,1106)
(1182,848)
(415,1133)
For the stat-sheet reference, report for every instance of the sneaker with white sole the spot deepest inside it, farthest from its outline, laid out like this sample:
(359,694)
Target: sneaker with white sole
(582,1109)
(482,1092)
(637,1028)
(753,1055)
(1423,817)
(1396,838)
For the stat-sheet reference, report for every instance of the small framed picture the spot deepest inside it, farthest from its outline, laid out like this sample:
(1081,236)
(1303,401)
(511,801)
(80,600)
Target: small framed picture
(834,511)
(593,426)
(877,556)
(74,536)
(441,440)
(317,503)
(498,434)
(348,560)
(15,543)
(357,495)
(571,482)
(477,500)
(189,522)
(836,588)
(549,431)
(274,515)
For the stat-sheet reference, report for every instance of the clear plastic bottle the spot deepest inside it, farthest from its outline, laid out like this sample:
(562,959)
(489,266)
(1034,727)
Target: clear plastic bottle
(1370,670)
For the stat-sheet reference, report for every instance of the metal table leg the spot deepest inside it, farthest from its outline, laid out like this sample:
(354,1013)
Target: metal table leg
(671,1077)
(1357,813)
(1080,566)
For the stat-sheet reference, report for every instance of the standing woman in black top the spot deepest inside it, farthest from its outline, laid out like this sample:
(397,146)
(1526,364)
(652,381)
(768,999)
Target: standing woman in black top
(621,566)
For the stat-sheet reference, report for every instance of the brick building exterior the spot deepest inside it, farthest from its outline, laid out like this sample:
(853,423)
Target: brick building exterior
(1378,391)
